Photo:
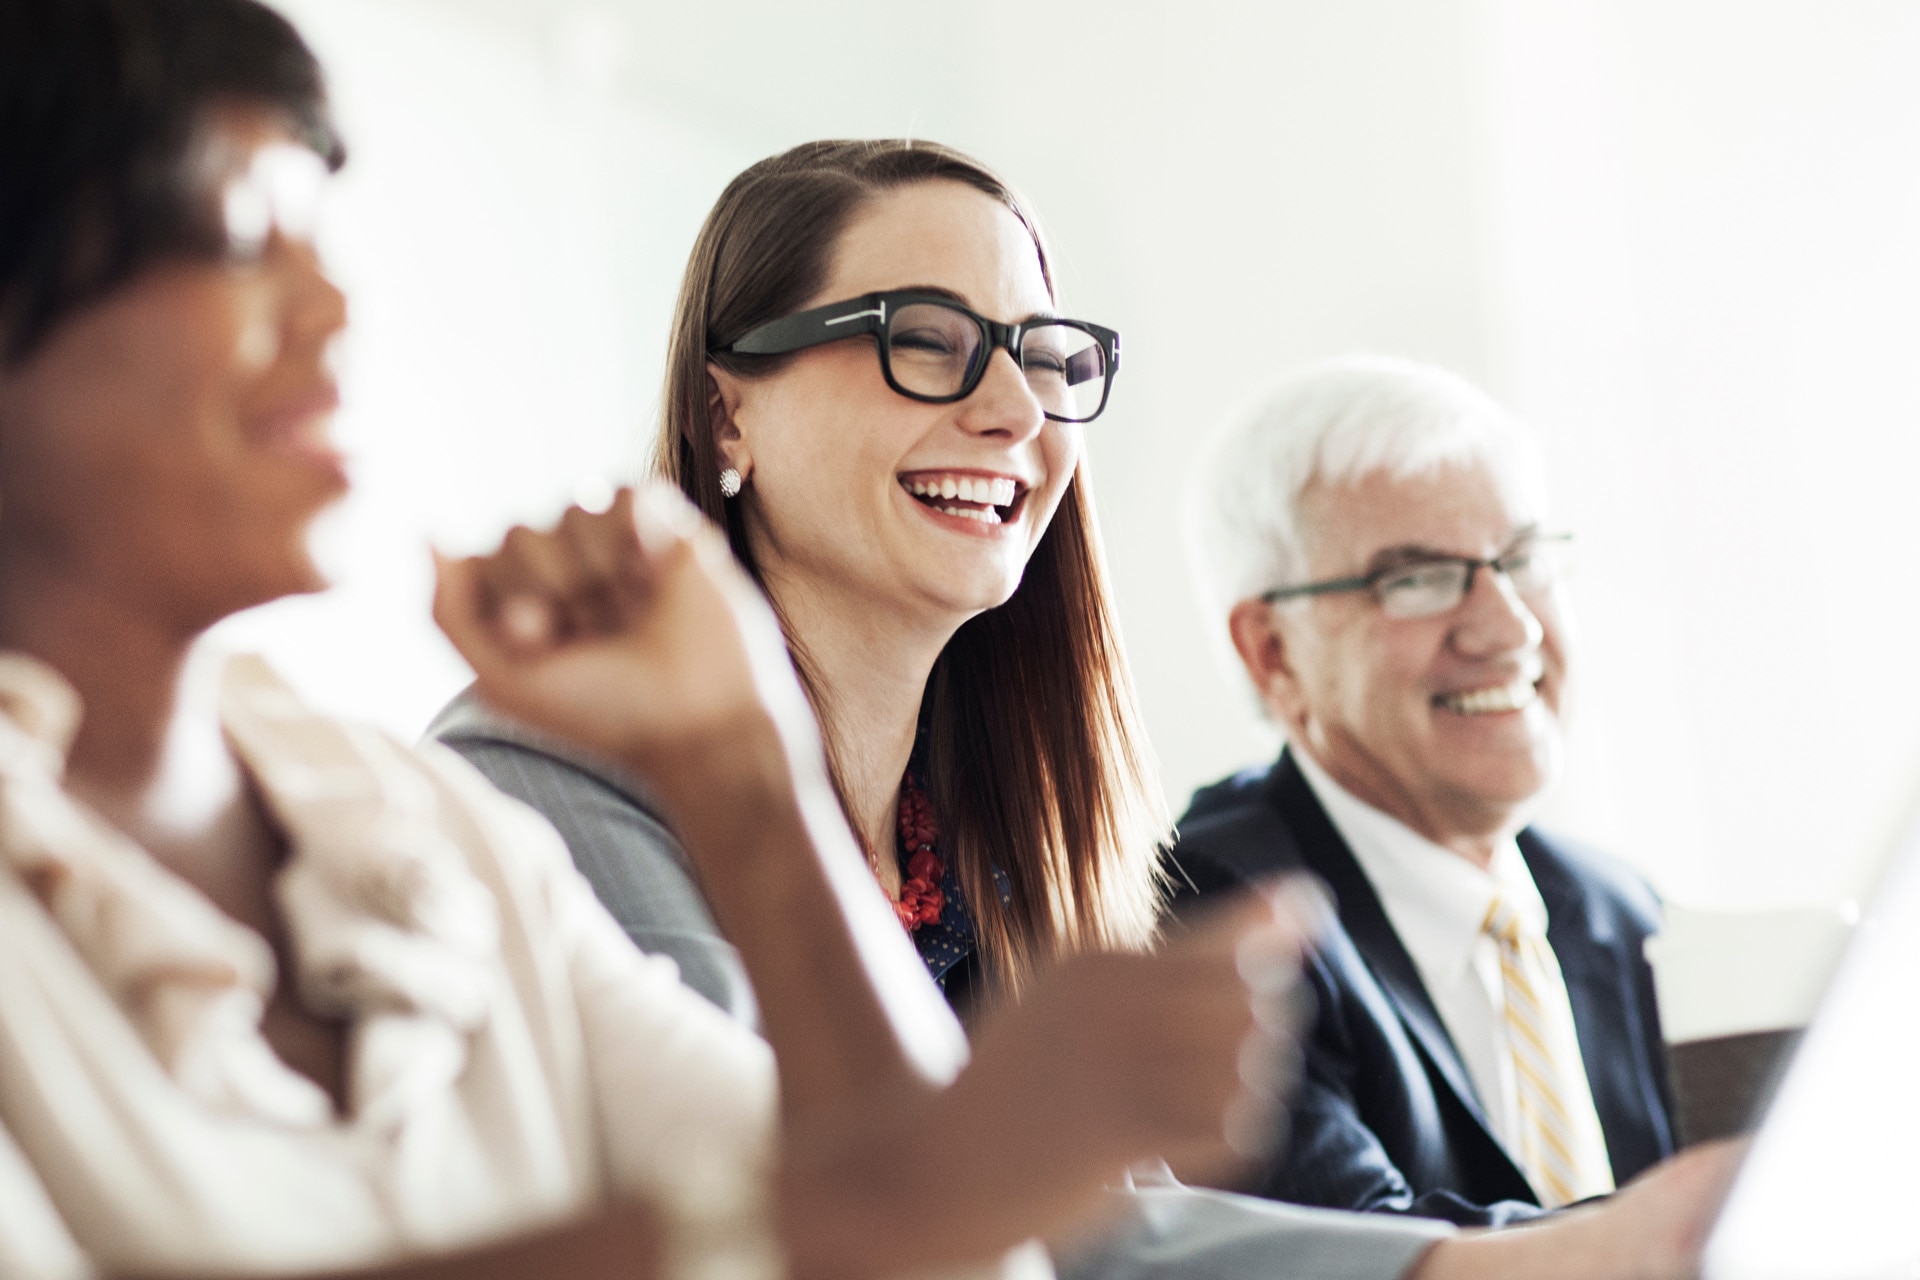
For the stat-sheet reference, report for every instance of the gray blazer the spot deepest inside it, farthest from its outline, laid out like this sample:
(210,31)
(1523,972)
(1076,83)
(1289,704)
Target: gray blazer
(618,840)
(1163,1231)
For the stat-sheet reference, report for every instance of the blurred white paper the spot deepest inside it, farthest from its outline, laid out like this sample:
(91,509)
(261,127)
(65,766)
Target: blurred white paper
(1829,1190)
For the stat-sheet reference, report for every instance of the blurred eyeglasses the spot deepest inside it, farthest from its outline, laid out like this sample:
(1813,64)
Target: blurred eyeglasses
(280,189)
(238,196)
(1434,585)
(934,350)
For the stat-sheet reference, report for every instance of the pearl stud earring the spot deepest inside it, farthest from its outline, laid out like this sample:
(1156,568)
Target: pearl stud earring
(729,483)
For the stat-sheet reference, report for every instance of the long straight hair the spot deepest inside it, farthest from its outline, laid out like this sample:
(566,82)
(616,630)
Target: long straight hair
(1036,762)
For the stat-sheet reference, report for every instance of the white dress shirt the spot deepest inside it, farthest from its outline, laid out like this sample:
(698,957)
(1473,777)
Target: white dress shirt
(1437,902)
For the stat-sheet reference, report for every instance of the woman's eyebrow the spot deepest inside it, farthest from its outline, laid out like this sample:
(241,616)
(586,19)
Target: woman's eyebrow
(937,290)
(954,295)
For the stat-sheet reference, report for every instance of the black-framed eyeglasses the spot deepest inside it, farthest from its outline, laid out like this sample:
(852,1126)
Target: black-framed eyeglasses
(934,350)
(1433,585)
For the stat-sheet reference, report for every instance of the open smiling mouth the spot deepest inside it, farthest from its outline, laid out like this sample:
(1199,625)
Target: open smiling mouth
(1515,695)
(988,499)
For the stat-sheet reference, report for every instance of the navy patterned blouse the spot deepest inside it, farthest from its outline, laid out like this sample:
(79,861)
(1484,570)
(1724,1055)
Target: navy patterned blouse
(950,948)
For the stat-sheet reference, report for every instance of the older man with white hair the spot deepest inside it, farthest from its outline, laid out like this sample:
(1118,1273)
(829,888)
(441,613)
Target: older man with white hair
(1486,1043)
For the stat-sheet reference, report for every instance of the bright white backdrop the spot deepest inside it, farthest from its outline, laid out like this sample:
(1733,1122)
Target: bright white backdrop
(1678,235)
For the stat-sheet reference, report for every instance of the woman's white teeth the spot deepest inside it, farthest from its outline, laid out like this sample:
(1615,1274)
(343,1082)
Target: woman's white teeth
(996,492)
(1517,696)
(985,515)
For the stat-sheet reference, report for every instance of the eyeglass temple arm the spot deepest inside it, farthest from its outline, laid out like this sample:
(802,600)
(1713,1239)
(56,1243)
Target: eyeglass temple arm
(1499,562)
(809,328)
(1329,587)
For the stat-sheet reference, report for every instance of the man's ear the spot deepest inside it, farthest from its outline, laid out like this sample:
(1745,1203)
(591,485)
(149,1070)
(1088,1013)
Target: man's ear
(1265,653)
(725,391)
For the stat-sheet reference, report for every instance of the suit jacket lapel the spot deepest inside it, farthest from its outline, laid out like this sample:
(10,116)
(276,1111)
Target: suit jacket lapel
(1589,951)
(1365,921)
(1584,956)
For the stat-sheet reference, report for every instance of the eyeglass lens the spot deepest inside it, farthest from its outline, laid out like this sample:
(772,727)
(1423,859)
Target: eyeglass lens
(936,351)
(1435,587)
(281,187)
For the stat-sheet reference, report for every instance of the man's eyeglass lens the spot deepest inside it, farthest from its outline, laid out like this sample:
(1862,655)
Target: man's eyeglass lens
(1423,590)
(937,351)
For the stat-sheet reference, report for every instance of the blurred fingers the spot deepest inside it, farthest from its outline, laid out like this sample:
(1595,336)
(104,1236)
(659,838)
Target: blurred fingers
(662,518)
(535,590)
(461,611)
(1239,1023)
(603,548)
(1254,1125)
(1205,1063)
(1272,924)
(1270,1063)
(588,574)
(1227,1109)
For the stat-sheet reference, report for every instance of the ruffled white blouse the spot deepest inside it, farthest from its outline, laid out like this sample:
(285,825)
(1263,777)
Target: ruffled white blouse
(514,1061)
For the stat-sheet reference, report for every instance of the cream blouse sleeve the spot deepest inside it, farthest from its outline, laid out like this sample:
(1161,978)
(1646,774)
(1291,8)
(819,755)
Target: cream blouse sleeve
(689,1094)
(34,1243)
(683,1097)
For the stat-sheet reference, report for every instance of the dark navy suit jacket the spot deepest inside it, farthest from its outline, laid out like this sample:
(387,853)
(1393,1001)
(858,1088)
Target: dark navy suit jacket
(1387,1118)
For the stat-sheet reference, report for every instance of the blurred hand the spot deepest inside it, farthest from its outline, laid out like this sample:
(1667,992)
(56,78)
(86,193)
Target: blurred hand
(1662,1218)
(631,633)
(1111,1059)
(1654,1228)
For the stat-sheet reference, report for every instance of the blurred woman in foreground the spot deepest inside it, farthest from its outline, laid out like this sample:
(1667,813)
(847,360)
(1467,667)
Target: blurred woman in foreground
(281,995)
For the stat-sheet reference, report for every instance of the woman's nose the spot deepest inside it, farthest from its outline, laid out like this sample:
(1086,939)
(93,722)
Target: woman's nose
(1003,404)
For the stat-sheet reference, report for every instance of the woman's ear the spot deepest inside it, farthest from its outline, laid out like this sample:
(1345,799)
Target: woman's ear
(725,391)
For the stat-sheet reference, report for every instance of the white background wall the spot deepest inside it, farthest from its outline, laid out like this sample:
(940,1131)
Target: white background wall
(1678,235)
(1708,258)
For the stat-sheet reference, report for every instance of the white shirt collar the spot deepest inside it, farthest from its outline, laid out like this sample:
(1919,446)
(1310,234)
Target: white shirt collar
(1435,899)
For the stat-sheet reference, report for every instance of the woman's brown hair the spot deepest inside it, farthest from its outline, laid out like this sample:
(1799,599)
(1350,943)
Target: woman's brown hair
(1035,758)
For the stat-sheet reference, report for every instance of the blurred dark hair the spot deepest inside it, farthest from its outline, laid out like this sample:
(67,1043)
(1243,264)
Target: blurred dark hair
(100,103)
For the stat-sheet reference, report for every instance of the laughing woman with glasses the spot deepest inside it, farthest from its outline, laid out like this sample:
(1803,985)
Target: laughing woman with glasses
(870,388)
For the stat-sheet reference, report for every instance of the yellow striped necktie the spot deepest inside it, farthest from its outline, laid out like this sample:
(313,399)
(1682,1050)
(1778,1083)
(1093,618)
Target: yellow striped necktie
(1556,1152)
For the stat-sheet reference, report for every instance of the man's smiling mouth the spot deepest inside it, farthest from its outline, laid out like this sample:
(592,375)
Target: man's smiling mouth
(1515,695)
(988,499)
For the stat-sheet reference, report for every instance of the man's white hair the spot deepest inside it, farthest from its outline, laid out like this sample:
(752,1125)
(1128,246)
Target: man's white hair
(1334,423)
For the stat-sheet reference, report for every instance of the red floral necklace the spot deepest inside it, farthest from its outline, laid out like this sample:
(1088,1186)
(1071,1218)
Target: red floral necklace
(921,898)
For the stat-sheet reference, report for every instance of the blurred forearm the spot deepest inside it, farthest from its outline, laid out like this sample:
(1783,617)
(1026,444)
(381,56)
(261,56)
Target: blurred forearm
(846,1006)
(621,1244)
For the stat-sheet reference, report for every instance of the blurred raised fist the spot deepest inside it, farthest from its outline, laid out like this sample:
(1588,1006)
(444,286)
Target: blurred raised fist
(631,633)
